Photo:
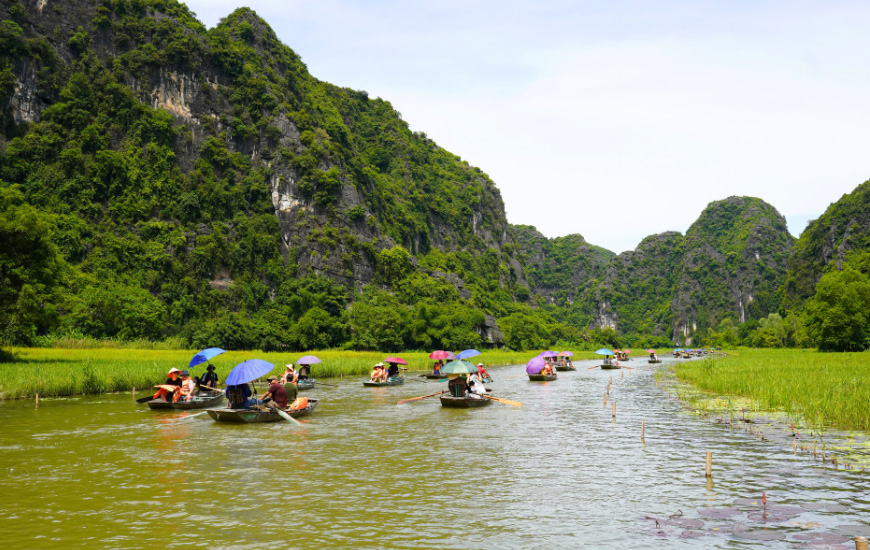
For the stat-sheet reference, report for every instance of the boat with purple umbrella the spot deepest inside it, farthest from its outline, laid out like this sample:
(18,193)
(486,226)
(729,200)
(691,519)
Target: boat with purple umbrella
(536,370)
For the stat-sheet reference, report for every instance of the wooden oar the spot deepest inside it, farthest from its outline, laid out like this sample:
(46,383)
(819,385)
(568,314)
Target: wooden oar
(191,416)
(285,416)
(145,399)
(595,367)
(403,401)
(505,401)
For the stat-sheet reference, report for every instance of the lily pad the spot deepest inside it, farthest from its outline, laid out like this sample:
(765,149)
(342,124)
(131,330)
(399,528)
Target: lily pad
(853,530)
(760,534)
(823,538)
(769,517)
(719,513)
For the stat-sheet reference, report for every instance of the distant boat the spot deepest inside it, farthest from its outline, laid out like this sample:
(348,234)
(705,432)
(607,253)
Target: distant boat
(256,416)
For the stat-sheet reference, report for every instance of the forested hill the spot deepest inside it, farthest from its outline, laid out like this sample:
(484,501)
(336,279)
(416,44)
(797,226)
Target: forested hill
(203,183)
(674,288)
(838,237)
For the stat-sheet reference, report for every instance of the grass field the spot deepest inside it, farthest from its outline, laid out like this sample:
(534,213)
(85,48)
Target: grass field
(825,389)
(54,371)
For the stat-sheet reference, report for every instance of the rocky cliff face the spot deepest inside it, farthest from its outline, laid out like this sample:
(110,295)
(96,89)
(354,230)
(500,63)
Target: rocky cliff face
(345,177)
(636,292)
(734,261)
(840,235)
(561,268)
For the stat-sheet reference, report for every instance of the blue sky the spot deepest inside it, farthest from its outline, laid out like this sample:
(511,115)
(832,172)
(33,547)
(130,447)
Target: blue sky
(614,120)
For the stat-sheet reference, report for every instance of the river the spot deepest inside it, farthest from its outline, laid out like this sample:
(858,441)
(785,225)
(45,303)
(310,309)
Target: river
(362,472)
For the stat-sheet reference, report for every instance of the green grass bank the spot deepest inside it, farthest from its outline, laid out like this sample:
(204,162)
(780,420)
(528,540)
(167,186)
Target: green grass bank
(824,389)
(55,372)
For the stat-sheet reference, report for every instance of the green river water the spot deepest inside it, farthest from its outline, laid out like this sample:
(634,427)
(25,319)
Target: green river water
(362,472)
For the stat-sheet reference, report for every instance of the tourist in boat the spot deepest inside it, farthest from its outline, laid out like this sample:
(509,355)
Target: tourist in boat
(209,379)
(172,379)
(275,395)
(607,360)
(290,375)
(187,388)
(482,371)
(457,385)
(475,386)
(378,373)
(304,372)
(239,397)
(393,371)
(291,390)
(437,368)
(653,357)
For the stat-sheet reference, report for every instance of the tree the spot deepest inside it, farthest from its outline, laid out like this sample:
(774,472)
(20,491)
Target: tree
(837,315)
(318,330)
(31,270)
(377,321)
(726,333)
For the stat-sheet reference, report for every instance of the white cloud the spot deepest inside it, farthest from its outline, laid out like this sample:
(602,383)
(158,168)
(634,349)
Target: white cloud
(613,122)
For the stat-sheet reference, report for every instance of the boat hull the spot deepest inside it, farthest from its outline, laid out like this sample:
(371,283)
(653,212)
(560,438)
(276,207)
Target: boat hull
(542,377)
(253,416)
(304,384)
(451,402)
(395,381)
(563,369)
(199,402)
(435,376)
(653,362)
(609,367)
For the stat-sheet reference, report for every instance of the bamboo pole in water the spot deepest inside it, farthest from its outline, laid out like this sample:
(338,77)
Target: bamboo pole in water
(605,399)
(614,409)
(709,463)
(37,400)
(642,426)
(861,543)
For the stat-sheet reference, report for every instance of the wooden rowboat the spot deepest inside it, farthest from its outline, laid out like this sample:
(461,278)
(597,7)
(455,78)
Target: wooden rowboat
(255,416)
(392,381)
(431,376)
(542,377)
(654,361)
(305,384)
(463,402)
(200,401)
(609,367)
(565,368)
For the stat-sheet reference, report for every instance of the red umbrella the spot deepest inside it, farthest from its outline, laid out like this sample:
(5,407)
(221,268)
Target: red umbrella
(650,351)
(398,360)
(439,354)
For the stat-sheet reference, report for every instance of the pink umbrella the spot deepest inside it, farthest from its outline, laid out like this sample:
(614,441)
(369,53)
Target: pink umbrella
(626,351)
(398,360)
(650,351)
(439,354)
(565,354)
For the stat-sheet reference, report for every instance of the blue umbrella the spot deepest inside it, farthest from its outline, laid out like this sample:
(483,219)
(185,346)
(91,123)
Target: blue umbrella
(205,355)
(604,351)
(468,353)
(248,370)
(308,360)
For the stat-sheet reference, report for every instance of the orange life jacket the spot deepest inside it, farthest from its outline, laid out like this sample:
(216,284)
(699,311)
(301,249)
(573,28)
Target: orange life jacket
(300,403)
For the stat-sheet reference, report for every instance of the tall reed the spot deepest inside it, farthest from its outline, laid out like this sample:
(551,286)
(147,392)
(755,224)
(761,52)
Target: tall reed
(825,389)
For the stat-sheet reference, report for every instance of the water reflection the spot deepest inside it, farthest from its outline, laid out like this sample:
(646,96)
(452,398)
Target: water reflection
(361,472)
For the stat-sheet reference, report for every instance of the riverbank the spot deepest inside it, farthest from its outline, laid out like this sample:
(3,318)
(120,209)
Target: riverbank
(56,372)
(828,390)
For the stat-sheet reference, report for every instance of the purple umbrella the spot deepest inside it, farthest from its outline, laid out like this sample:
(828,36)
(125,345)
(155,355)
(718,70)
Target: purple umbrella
(548,354)
(535,366)
(308,360)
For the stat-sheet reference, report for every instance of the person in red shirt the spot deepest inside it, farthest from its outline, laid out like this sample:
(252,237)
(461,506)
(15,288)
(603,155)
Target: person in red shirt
(276,393)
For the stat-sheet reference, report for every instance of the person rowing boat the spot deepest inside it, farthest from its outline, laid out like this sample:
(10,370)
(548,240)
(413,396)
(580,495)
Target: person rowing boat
(171,385)
(457,385)
(209,379)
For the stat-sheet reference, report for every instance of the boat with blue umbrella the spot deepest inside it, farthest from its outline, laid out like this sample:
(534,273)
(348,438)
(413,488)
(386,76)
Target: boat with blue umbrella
(609,364)
(203,396)
(242,374)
